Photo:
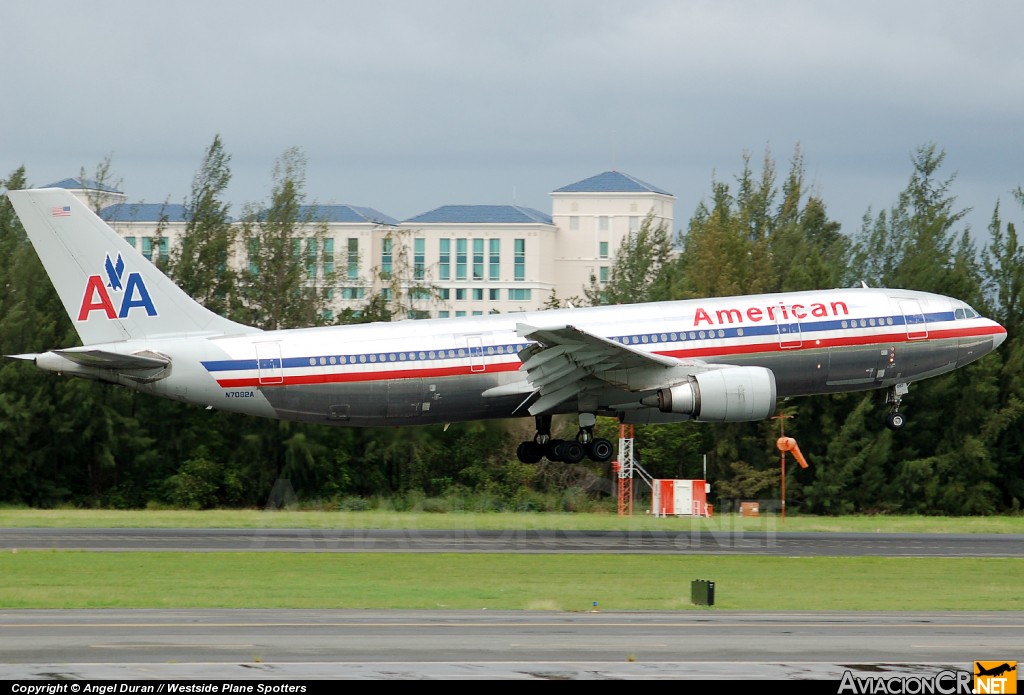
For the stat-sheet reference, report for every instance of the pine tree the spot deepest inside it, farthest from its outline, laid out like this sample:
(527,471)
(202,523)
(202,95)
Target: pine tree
(200,263)
(282,283)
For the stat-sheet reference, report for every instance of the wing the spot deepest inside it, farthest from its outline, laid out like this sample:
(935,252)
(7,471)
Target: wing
(566,362)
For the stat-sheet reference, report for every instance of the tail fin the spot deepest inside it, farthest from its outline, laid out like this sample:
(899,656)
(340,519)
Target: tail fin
(110,291)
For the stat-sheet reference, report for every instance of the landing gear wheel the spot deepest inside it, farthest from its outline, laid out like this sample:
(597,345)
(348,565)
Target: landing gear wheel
(530,452)
(553,449)
(600,450)
(895,420)
(572,452)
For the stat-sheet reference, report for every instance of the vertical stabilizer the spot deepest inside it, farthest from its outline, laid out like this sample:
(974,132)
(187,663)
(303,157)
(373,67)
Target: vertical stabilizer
(110,290)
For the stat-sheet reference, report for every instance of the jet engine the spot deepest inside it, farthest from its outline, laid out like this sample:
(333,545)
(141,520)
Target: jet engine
(732,394)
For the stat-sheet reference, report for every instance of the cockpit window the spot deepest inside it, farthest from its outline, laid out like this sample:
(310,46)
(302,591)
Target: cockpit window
(965,312)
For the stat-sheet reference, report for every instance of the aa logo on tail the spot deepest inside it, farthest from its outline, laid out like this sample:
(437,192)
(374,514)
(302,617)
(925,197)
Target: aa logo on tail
(131,293)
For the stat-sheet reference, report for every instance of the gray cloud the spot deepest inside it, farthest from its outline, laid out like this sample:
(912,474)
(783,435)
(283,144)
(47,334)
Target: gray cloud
(405,105)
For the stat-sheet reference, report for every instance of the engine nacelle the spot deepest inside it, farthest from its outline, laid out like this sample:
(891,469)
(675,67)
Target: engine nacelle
(733,394)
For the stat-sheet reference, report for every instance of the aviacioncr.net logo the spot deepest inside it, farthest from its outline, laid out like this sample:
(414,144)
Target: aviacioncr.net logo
(995,677)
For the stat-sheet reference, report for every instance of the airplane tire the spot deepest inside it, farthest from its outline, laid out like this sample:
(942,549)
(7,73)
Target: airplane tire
(553,449)
(895,421)
(600,450)
(572,452)
(529,452)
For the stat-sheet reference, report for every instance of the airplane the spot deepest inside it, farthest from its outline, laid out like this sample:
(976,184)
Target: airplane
(995,671)
(726,359)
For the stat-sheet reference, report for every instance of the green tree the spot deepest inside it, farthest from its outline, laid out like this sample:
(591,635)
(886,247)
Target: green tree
(1003,261)
(636,267)
(915,244)
(754,241)
(284,284)
(200,263)
(103,180)
(404,288)
(940,462)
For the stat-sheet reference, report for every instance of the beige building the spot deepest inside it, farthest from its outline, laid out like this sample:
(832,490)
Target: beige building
(455,260)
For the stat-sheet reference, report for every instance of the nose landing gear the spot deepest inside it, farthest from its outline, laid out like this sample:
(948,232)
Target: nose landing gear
(895,420)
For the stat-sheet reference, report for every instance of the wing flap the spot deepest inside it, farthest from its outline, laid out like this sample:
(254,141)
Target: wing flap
(568,362)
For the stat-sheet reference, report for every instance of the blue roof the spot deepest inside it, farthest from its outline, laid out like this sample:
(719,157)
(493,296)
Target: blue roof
(144,212)
(347,213)
(611,182)
(482,214)
(77,184)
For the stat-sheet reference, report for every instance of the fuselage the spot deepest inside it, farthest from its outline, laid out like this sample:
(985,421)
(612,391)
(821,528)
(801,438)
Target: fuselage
(430,371)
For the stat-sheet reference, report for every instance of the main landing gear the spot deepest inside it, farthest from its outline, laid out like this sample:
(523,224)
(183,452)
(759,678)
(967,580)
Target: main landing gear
(565,450)
(895,420)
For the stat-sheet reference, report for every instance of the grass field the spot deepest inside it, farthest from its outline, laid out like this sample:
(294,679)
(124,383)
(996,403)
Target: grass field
(75,579)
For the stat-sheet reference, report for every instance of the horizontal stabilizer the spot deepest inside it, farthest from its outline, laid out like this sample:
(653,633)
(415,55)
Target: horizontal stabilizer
(102,359)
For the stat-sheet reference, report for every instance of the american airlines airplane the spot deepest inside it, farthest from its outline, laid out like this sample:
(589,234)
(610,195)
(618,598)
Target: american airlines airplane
(727,359)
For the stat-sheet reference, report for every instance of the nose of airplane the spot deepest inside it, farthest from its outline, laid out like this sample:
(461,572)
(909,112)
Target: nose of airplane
(998,338)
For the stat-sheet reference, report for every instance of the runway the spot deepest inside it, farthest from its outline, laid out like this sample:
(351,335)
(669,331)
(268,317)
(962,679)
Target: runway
(520,645)
(518,541)
(278,645)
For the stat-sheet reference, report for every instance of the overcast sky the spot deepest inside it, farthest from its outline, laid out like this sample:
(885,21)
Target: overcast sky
(408,105)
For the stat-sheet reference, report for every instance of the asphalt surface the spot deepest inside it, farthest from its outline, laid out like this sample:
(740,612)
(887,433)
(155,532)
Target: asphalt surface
(466,541)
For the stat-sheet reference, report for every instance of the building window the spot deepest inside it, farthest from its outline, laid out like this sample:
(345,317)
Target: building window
(254,255)
(444,267)
(520,259)
(353,258)
(419,258)
(444,293)
(519,295)
(353,292)
(494,261)
(460,295)
(603,249)
(156,251)
(602,223)
(478,294)
(328,256)
(493,294)
(603,273)
(634,224)
(478,259)
(443,314)
(460,259)
(460,313)
(385,257)
(130,240)
(574,223)
(311,258)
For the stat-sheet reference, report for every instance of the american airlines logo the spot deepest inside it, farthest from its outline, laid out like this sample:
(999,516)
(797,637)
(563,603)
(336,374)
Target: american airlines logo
(771,312)
(130,292)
